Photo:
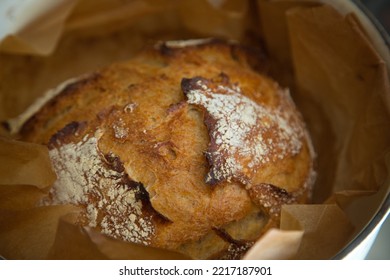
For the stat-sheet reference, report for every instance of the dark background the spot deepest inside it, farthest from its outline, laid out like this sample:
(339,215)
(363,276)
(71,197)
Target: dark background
(380,9)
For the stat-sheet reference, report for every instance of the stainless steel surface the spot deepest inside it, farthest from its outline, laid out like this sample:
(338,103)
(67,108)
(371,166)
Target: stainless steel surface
(380,250)
(381,247)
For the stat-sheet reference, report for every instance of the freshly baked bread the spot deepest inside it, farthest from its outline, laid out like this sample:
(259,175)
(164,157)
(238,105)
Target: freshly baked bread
(185,147)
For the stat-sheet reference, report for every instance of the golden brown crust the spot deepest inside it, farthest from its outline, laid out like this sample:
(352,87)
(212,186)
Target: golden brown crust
(156,147)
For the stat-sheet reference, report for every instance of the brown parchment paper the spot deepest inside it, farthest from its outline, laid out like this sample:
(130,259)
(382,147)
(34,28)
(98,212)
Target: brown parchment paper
(25,163)
(32,26)
(73,242)
(326,58)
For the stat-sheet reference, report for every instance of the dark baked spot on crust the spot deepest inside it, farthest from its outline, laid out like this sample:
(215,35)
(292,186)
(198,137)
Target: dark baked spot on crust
(73,88)
(214,161)
(63,135)
(195,83)
(236,248)
(270,199)
(165,50)
(188,84)
(29,125)
(113,162)
(226,236)
(141,193)
(132,86)
(78,85)
(222,78)
(143,196)
(38,119)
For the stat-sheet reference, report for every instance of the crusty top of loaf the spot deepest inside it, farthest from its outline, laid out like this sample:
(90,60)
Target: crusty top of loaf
(177,146)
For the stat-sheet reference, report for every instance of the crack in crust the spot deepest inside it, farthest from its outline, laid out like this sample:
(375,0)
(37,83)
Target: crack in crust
(244,135)
(270,199)
(98,181)
(236,248)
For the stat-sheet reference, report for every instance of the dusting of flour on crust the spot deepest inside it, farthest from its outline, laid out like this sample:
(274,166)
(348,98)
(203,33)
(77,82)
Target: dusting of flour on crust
(121,131)
(110,198)
(244,135)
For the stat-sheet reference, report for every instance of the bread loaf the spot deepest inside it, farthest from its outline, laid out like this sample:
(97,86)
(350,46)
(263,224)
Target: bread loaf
(186,147)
